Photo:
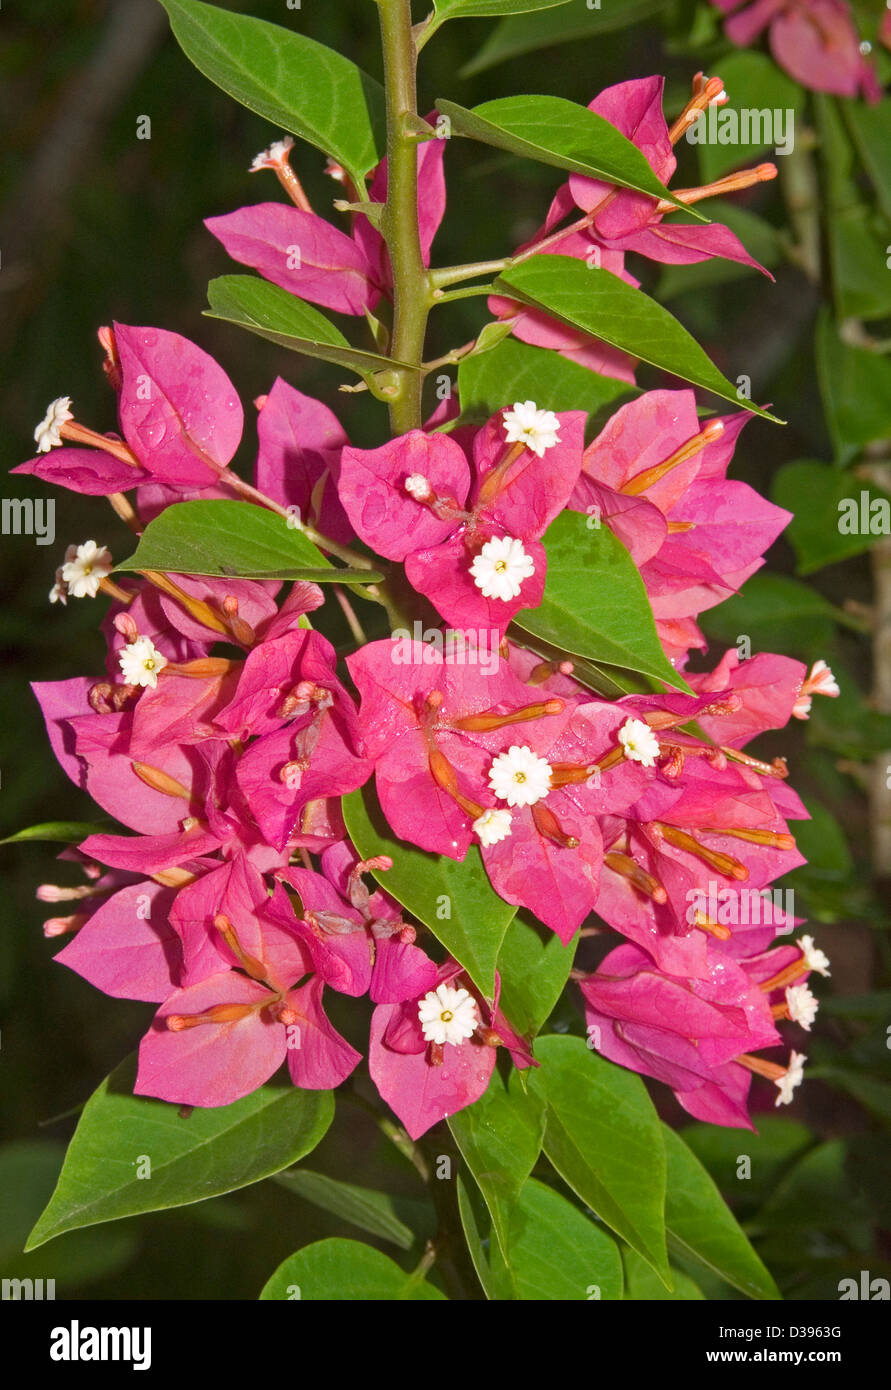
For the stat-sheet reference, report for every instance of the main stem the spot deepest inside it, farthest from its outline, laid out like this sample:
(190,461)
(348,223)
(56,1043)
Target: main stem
(411,283)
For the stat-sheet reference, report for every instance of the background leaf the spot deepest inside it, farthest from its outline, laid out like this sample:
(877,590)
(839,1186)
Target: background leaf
(528,33)
(345,1271)
(813,492)
(375,1212)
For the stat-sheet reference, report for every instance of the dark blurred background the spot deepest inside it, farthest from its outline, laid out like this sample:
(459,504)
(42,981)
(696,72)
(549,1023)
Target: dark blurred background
(97,224)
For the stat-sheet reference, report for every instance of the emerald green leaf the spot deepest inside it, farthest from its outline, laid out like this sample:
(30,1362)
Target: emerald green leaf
(64,831)
(473,1213)
(527,33)
(603,1137)
(855,385)
(836,514)
(599,303)
(870,127)
(234,539)
(534,966)
(514,371)
(856,232)
(375,1212)
(455,900)
(701,1226)
(555,131)
(595,604)
(282,318)
(192,1157)
(500,1138)
(465,9)
(643,1285)
(296,83)
(555,1253)
(345,1271)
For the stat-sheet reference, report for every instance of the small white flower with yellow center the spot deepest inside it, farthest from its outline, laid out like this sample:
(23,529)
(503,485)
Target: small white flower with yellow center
(48,433)
(500,568)
(276,154)
(814,958)
(526,424)
(791,1079)
(492,827)
(447,1015)
(639,742)
(83,570)
(519,776)
(802,1005)
(141,662)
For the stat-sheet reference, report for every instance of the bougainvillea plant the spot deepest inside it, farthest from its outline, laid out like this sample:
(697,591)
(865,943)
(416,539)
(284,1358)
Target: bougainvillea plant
(404,744)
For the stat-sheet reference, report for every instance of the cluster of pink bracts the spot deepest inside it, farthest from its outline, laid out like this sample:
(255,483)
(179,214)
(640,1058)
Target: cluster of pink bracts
(239,900)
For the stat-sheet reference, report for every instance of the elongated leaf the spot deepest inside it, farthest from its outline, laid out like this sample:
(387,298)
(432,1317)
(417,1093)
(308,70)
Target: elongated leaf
(282,318)
(372,1211)
(534,966)
(603,1137)
(191,1157)
(642,1285)
(555,131)
(68,832)
(599,303)
(855,385)
(555,1253)
(234,539)
(455,900)
(595,603)
(345,1271)
(527,33)
(701,1225)
(296,83)
(500,1138)
(473,1221)
(514,371)
(870,128)
(468,9)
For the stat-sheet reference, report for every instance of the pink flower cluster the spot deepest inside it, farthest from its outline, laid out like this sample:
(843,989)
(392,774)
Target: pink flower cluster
(815,41)
(223,731)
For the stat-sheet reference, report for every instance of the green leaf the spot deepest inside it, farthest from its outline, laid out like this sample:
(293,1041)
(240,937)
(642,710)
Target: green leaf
(595,604)
(234,539)
(778,1143)
(555,1253)
(701,1226)
(534,966)
(857,235)
(472,1213)
(555,131)
(192,1157)
(514,371)
(870,127)
(372,1211)
(834,512)
(282,318)
(64,831)
(345,1271)
(643,1285)
(855,385)
(500,1139)
(599,303)
(603,1137)
(296,83)
(470,9)
(776,614)
(528,33)
(429,885)
(755,84)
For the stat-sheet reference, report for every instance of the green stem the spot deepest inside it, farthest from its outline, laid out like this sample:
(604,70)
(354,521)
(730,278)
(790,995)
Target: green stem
(399,224)
(454,274)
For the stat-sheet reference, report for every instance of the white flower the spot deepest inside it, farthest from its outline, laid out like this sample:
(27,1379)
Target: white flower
(48,433)
(526,424)
(821,680)
(791,1078)
(59,593)
(500,568)
(814,958)
(141,662)
(447,1015)
(83,570)
(520,777)
(277,153)
(639,742)
(492,827)
(802,1005)
(417,486)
